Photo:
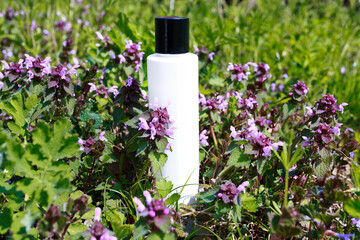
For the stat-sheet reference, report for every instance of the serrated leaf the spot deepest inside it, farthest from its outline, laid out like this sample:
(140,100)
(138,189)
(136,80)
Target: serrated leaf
(238,158)
(54,142)
(221,209)
(86,116)
(15,128)
(249,202)
(164,187)
(321,167)
(70,105)
(157,160)
(161,144)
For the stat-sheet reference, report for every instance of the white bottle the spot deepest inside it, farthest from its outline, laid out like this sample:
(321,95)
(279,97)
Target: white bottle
(173,81)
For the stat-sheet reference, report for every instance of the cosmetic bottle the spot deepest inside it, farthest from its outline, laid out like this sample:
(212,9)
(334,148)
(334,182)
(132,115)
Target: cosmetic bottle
(173,81)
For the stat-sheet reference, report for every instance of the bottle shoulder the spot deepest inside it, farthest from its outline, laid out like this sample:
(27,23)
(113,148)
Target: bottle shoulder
(159,57)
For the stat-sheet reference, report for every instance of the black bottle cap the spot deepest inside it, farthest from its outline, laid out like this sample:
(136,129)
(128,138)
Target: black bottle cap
(171,34)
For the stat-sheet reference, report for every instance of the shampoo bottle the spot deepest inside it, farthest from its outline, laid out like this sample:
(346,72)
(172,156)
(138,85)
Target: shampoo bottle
(173,81)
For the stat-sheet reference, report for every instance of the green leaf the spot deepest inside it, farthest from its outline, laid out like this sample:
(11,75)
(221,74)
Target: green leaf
(161,144)
(221,209)
(161,236)
(321,167)
(208,196)
(353,208)
(249,202)
(55,143)
(77,227)
(172,199)
(5,219)
(140,229)
(15,128)
(157,160)
(123,231)
(164,187)
(86,116)
(238,158)
(236,212)
(142,145)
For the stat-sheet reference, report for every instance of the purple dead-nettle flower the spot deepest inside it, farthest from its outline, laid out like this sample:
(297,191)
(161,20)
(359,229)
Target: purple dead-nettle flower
(121,58)
(101,137)
(222,102)
(92,87)
(1,83)
(202,99)
(97,216)
(196,49)
(203,138)
(342,70)
(103,39)
(1,75)
(356,222)
(211,56)
(238,72)
(309,112)
(86,145)
(37,67)
(336,129)
(158,125)
(155,211)
(13,70)
(261,72)
(63,25)
(249,103)
(301,89)
(323,135)
(7,53)
(129,81)
(133,54)
(229,192)
(112,54)
(327,107)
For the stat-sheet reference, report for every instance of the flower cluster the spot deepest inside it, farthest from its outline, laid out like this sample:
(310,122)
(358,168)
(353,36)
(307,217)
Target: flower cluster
(98,231)
(261,145)
(156,214)
(203,53)
(103,91)
(327,107)
(323,135)
(131,92)
(132,55)
(26,70)
(229,193)
(261,71)
(214,103)
(157,125)
(300,89)
(239,72)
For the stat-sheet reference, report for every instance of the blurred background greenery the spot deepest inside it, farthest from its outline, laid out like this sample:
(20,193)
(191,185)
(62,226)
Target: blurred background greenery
(315,41)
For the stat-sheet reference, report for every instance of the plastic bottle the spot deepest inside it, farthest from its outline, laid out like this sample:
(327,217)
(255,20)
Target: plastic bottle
(173,81)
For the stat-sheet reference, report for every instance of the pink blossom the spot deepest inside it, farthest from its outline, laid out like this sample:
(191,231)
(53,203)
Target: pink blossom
(97,217)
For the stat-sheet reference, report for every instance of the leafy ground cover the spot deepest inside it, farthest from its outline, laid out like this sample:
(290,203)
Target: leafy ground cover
(78,142)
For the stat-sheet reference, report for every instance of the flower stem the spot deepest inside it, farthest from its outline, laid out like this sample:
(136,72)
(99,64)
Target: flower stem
(286,187)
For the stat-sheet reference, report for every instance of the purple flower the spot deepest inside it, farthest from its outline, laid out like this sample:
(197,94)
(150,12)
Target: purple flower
(139,204)
(97,216)
(121,58)
(211,56)
(238,72)
(1,85)
(342,70)
(229,192)
(261,71)
(86,145)
(158,125)
(143,125)
(323,134)
(301,89)
(326,107)
(101,137)
(203,138)
(356,222)
(196,49)
(92,87)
